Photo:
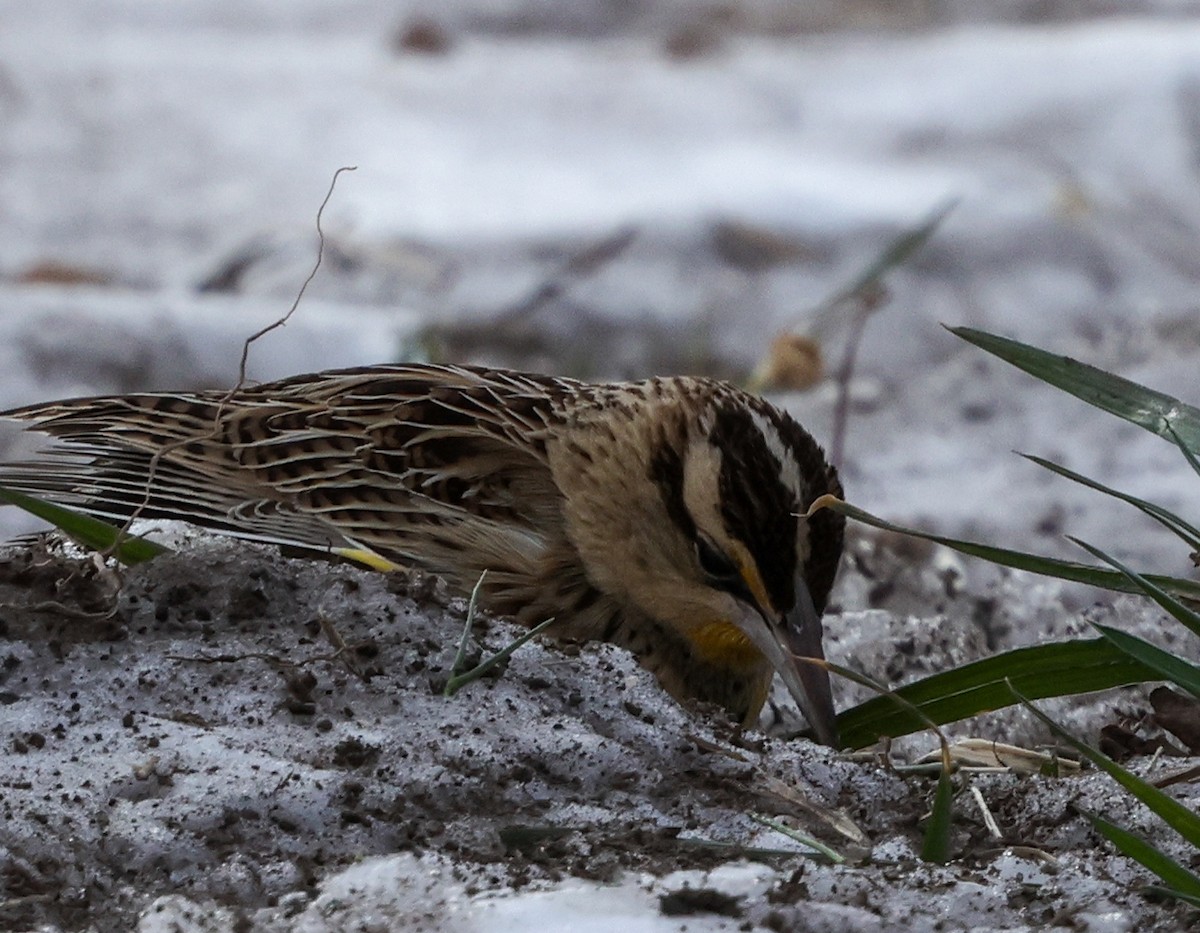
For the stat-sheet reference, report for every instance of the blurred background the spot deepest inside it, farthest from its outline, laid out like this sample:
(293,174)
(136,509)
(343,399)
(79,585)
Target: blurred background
(620,188)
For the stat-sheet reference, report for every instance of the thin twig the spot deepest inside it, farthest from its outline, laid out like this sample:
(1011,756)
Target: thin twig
(863,297)
(50,605)
(843,378)
(299,294)
(988,820)
(1179,777)
(156,458)
(264,656)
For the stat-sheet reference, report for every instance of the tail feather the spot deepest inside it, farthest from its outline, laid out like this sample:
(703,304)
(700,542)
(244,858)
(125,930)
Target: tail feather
(439,467)
(116,485)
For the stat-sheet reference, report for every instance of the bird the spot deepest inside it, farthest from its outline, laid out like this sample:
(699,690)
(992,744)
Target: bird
(667,516)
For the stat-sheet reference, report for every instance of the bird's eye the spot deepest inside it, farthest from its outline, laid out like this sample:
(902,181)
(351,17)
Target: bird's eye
(714,563)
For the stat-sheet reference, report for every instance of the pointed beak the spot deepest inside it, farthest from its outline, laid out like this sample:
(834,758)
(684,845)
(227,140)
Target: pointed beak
(785,643)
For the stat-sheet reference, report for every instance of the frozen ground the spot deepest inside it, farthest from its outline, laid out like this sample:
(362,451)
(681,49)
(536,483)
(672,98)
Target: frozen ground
(197,737)
(160,166)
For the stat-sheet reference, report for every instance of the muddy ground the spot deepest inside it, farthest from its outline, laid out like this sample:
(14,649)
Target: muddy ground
(227,739)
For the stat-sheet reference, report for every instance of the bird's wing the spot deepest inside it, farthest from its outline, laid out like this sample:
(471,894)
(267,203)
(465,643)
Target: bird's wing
(424,465)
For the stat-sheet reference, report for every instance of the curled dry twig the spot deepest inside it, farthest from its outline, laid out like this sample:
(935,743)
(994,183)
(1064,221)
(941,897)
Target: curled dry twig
(156,459)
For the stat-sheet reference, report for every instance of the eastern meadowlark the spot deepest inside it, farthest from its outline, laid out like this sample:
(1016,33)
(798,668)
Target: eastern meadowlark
(665,516)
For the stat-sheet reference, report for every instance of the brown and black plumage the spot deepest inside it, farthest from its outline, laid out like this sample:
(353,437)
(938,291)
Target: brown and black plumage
(665,516)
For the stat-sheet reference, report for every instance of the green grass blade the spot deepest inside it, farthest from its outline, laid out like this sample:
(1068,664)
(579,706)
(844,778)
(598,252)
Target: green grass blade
(936,845)
(1018,560)
(1060,669)
(1160,891)
(1168,519)
(458,681)
(820,850)
(1175,669)
(1179,879)
(1157,412)
(464,640)
(1177,609)
(1189,454)
(897,252)
(887,698)
(90,532)
(1183,820)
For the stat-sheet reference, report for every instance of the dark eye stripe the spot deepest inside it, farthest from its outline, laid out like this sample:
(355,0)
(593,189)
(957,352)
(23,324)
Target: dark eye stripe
(713,561)
(722,573)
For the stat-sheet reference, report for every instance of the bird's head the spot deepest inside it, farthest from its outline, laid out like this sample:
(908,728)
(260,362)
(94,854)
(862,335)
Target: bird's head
(690,507)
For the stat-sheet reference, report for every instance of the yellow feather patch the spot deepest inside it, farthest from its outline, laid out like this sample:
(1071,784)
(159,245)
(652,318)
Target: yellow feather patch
(366,558)
(723,643)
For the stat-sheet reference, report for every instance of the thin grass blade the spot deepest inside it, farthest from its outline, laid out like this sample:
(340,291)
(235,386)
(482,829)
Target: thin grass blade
(1157,412)
(1018,560)
(1177,609)
(898,251)
(1168,519)
(1189,454)
(1160,891)
(886,697)
(1180,818)
(936,845)
(820,850)
(464,640)
(1179,879)
(458,681)
(1173,668)
(90,532)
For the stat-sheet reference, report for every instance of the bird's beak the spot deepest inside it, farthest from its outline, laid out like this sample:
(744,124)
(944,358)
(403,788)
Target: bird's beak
(785,643)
